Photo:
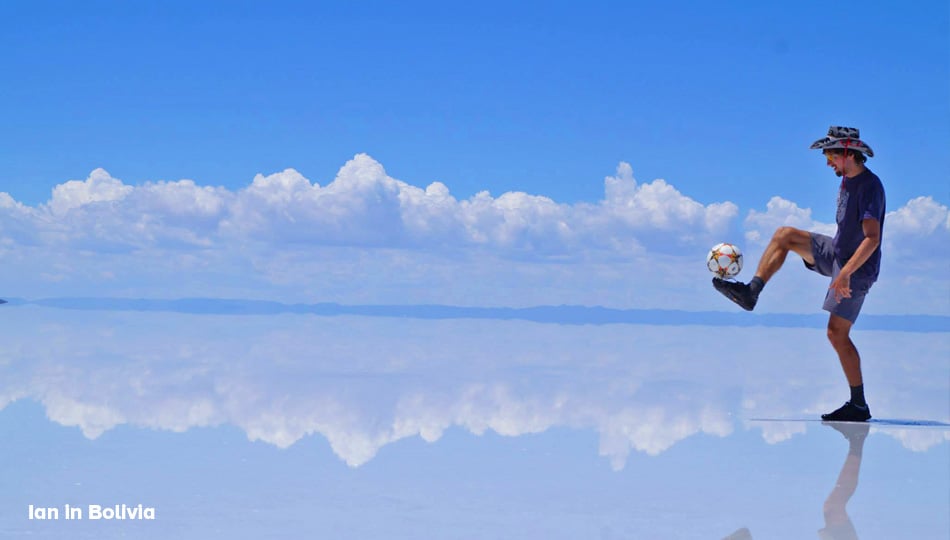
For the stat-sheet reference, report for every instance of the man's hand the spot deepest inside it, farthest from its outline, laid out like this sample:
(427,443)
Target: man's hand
(872,238)
(841,285)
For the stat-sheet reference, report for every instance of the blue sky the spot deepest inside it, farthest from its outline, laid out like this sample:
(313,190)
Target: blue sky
(721,101)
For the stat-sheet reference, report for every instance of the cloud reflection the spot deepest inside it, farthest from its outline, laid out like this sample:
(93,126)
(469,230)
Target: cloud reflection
(365,382)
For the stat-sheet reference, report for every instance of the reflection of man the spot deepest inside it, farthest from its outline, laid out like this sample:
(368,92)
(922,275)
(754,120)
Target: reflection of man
(741,534)
(838,524)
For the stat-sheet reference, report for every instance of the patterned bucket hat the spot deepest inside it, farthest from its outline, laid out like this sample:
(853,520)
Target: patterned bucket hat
(843,137)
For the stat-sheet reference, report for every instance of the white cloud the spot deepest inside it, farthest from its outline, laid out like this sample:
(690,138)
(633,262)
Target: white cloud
(360,207)
(99,187)
(18,224)
(517,220)
(363,206)
(658,207)
(7,202)
(920,216)
(781,213)
(920,226)
(368,237)
(182,199)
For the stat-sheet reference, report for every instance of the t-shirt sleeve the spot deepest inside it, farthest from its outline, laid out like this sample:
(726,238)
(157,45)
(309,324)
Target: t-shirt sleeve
(872,202)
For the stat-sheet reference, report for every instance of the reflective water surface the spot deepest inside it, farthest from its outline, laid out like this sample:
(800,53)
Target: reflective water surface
(300,425)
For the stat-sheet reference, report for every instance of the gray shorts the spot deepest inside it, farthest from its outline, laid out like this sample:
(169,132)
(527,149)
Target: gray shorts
(825,264)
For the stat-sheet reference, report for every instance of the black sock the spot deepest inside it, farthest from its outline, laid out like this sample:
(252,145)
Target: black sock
(857,396)
(756,285)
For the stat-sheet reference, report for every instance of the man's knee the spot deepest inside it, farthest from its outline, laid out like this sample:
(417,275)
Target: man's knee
(797,240)
(839,330)
(789,236)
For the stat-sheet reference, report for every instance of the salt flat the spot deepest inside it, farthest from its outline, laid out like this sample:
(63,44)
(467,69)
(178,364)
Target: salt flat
(299,425)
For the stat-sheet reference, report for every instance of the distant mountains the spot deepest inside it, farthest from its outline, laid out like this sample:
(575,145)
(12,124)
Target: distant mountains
(563,314)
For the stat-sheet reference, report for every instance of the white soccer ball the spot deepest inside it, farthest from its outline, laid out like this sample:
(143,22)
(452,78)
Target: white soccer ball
(724,260)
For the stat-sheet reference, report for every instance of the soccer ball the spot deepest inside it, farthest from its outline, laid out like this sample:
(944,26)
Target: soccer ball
(724,260)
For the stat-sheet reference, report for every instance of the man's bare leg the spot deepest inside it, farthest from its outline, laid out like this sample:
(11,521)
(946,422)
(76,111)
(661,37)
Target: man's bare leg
(784,240)
(855,410)
(839,330)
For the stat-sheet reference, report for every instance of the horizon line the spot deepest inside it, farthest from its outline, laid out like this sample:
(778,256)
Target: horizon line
(545,314)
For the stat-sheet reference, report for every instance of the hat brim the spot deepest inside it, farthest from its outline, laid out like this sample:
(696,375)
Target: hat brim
(827,143)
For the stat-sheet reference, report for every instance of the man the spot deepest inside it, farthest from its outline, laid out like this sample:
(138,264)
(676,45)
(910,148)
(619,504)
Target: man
(852,258)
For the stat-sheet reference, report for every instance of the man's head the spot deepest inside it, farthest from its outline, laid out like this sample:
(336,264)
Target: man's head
(844,151)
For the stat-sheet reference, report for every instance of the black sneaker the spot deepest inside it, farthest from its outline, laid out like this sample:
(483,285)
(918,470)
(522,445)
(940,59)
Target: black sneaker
(740,293)
(848,413)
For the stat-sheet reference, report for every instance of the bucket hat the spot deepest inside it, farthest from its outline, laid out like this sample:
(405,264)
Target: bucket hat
(848,138)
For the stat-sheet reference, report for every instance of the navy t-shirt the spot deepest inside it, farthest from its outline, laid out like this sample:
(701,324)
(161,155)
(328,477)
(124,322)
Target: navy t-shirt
(860,198)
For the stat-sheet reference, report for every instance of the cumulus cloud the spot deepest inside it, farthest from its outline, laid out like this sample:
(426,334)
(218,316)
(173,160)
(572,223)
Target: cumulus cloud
(922,215)
(780,212)
(362,206)
(99,187)
(365,233)
(660,206)
(655,214)
(918,226)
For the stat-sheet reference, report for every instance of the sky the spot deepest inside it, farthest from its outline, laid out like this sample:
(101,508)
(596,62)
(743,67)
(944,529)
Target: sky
(490,154)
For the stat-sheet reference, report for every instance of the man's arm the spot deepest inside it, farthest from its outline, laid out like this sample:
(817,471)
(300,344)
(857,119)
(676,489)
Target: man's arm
(872,239)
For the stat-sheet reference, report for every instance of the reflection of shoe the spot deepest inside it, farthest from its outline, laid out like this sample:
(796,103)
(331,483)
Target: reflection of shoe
(853,431)
(740,293)
(839,531)
(848,413)
(741,534)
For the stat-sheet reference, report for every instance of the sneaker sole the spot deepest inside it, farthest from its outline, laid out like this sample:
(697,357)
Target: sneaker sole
(728,293)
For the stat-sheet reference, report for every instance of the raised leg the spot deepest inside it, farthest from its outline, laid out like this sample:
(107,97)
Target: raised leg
(784,240)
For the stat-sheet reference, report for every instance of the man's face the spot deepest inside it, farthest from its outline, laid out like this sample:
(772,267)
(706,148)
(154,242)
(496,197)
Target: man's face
(836,162)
